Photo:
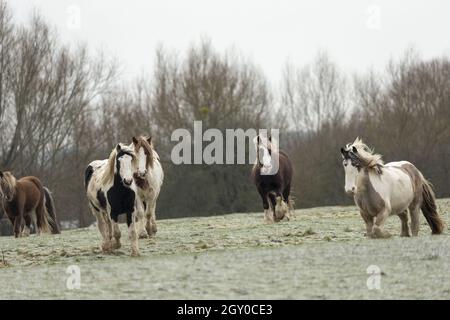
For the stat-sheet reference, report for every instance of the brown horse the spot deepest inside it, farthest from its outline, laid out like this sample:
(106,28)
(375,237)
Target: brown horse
(273,187)
(20,198)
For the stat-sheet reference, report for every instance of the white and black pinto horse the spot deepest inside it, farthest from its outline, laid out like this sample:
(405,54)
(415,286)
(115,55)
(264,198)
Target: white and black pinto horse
(112,191)
(149,179)
(381,190)
(272,175)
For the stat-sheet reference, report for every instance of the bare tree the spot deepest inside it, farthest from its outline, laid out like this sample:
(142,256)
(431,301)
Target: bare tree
(315,94)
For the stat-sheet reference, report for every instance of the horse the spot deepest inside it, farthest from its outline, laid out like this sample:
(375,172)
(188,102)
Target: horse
(381,190)
(149,179)
(111,191)
(23,197)
(273,187)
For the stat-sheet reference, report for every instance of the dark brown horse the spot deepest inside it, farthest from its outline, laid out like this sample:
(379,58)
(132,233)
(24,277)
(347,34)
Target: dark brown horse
(272,175)
(20,198)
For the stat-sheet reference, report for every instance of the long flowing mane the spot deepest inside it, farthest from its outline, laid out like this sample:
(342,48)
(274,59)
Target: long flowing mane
(8,184)
(109,172)
(367,156)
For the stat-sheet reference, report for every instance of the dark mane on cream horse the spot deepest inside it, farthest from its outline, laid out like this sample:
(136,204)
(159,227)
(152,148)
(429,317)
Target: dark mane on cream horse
(23,197)
(273,187)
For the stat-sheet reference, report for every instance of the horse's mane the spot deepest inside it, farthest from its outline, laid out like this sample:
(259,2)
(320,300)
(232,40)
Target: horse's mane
(9,181)
(109,172)
(368,158)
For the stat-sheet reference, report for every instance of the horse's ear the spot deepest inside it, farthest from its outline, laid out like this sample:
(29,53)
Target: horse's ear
(354,149)
(135,141)
(343,151)
(118,147)
(149,140)
(1,174)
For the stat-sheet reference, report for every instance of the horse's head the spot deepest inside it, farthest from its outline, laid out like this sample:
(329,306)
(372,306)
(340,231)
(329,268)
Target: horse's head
(357,156)
(7,185)
(352,166)
(264,148)
(143,148)
(125,164)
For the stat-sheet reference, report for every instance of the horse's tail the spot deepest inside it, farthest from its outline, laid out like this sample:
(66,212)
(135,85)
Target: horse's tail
(429,209)
(50,212)
(41,221)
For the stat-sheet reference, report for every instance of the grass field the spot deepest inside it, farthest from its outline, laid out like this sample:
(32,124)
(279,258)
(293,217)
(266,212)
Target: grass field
(320,254)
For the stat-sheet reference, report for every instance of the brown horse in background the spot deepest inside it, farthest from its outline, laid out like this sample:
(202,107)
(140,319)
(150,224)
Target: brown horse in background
(20,198)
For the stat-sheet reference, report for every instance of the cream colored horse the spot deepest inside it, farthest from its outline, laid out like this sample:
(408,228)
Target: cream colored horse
(381,190)
(149,179)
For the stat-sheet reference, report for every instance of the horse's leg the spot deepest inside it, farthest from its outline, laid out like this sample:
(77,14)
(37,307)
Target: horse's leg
(405,227)
(286,193)
(26,228)
(368,220)
(415,220)
(101,224)
(18,223)
(12,219)
(275,208)
(380,219)
(142,208)
(281,209)
(268,216)
(109,226)
(116,233)
(151,219)
(132,233)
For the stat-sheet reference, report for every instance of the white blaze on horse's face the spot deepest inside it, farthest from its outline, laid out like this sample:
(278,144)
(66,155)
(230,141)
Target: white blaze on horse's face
(126,169)
(351,174)
(142,163)
(263,154)
(264,157)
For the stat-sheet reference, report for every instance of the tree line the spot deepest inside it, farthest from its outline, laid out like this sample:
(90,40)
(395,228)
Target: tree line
(62,106)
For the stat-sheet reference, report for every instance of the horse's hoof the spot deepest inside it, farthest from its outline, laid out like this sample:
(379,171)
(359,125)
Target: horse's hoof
(370,235)
(116,245)
(406,235)
(106,247)
(135,253)
(380,234)
(143,235)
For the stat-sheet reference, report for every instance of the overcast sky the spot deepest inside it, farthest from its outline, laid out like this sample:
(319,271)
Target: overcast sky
(358,34)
